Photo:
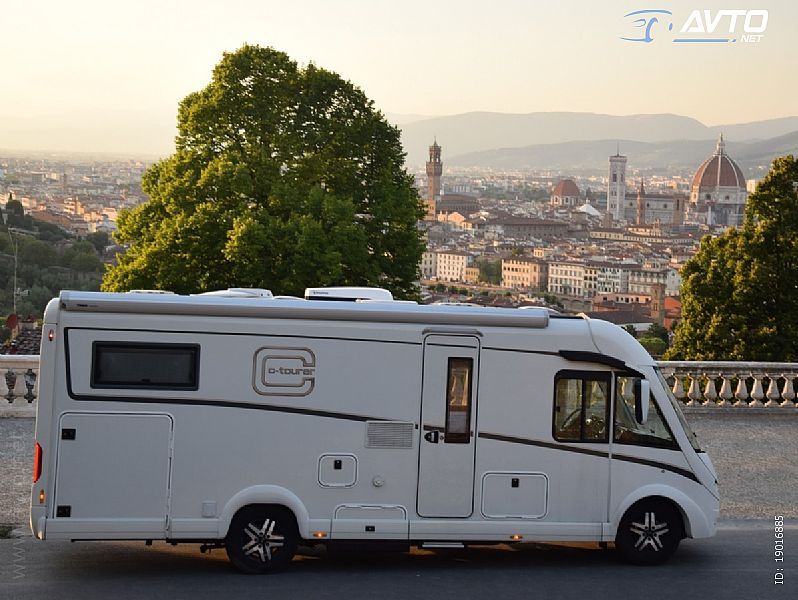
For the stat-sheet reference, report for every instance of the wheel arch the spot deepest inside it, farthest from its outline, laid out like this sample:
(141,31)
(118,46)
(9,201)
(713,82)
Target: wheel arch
(693,519)
(265,494)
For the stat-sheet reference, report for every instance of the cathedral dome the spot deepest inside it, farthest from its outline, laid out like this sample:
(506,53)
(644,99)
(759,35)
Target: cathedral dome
(566,188)
(719,170)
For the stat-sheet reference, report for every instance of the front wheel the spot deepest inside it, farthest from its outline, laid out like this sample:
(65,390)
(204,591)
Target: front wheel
(649,532)
(262,539)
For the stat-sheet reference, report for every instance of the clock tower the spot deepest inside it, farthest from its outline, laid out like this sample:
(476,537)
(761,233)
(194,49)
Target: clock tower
(434,171)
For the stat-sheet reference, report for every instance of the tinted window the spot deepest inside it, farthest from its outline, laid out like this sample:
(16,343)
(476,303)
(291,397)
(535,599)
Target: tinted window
(654,432)
(581,407)
(145,366)
(458,401)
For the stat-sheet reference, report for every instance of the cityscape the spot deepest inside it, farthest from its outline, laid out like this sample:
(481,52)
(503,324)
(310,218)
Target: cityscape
(607,245)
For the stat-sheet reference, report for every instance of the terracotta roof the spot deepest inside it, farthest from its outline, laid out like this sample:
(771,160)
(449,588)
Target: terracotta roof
(566,187)
(718,171)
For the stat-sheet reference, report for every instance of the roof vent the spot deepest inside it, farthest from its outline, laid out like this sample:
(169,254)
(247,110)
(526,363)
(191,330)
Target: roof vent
(150,292)
(348,294)
(240,293)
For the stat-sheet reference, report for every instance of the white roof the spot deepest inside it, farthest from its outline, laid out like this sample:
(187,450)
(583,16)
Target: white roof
(286,308)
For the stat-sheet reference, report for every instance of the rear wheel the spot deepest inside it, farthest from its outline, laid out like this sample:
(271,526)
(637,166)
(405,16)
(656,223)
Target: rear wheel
(649,532)
(262,538)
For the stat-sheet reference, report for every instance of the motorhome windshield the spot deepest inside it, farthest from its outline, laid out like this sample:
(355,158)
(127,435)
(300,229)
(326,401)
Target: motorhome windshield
(677,406)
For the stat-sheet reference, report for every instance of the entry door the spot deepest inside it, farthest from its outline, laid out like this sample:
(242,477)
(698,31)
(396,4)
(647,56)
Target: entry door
(448,423)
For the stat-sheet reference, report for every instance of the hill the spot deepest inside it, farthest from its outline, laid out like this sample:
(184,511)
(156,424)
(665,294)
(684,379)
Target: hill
(485,131)
(588,156)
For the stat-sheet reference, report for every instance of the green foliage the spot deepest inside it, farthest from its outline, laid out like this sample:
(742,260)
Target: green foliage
(99,239)
(490,271)
(35,252)
(86,263)
(284,177)
(658,331)
(740,291)
(655,345)
(552,299)
(630,329)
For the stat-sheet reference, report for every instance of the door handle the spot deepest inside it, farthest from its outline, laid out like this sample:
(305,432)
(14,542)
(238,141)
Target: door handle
(432,436)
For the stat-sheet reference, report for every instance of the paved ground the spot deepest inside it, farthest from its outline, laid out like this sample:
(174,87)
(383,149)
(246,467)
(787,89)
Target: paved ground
(16,463)
(736,564)
(756,456)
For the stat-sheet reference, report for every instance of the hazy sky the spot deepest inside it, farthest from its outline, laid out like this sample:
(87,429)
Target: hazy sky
(111,73)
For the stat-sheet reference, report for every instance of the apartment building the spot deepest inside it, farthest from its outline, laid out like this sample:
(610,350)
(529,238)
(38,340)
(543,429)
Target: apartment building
(525,273)
(451,265)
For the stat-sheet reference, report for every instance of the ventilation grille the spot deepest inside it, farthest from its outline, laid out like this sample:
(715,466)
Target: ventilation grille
(389,434)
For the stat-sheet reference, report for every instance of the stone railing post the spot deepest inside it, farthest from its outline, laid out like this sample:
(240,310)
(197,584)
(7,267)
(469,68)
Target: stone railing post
(701,380)
(19,382)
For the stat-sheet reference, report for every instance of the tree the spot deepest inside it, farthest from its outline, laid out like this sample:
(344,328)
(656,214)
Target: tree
(98,239)
(630,329)
(658,331)
(283,177)
(36,253)
(655,345)
(739,292)
(86,263)
(490,271)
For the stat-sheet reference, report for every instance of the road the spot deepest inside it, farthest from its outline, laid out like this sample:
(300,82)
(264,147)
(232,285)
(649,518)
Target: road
(736,564)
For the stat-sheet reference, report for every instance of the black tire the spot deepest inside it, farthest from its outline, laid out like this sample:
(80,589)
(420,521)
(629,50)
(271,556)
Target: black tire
(262,539)
(649,532)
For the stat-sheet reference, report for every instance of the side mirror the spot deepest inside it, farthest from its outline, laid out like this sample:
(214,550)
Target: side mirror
(642,395)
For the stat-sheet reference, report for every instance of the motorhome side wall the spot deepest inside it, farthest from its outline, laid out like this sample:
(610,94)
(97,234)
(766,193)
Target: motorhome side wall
(226,437)
(142,464)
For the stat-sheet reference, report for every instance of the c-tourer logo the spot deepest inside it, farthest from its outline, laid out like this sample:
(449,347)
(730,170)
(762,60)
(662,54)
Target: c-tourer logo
(283,371)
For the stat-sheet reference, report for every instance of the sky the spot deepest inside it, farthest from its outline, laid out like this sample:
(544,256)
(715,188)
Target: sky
(107,76)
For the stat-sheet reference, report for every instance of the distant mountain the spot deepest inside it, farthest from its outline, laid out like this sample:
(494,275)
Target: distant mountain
(758,130)
(484,131)
(404,119)
(588,156)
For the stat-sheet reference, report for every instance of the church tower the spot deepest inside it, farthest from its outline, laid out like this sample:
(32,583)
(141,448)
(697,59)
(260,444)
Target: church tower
(434,171)
(616,186)
(641,211)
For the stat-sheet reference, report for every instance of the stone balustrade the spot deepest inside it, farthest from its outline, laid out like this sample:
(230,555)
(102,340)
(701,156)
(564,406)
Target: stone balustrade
(699,384)
(19,383)
(719,384)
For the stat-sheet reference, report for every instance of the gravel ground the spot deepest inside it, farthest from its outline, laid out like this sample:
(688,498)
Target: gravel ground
(755,455)
(16,464)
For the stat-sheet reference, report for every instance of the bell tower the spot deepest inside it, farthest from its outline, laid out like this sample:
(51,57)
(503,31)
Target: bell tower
(616,186)
(434,171)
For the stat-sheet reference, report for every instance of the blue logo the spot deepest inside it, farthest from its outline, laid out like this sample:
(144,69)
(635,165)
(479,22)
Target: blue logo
(720,26)
(645,20)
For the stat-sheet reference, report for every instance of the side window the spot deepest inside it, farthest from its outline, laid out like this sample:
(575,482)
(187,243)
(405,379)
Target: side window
(145,366)
(654,432)
(458,401)
(581,407)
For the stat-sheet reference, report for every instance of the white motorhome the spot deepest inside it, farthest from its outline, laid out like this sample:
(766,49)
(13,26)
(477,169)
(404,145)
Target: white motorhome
(259,423)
